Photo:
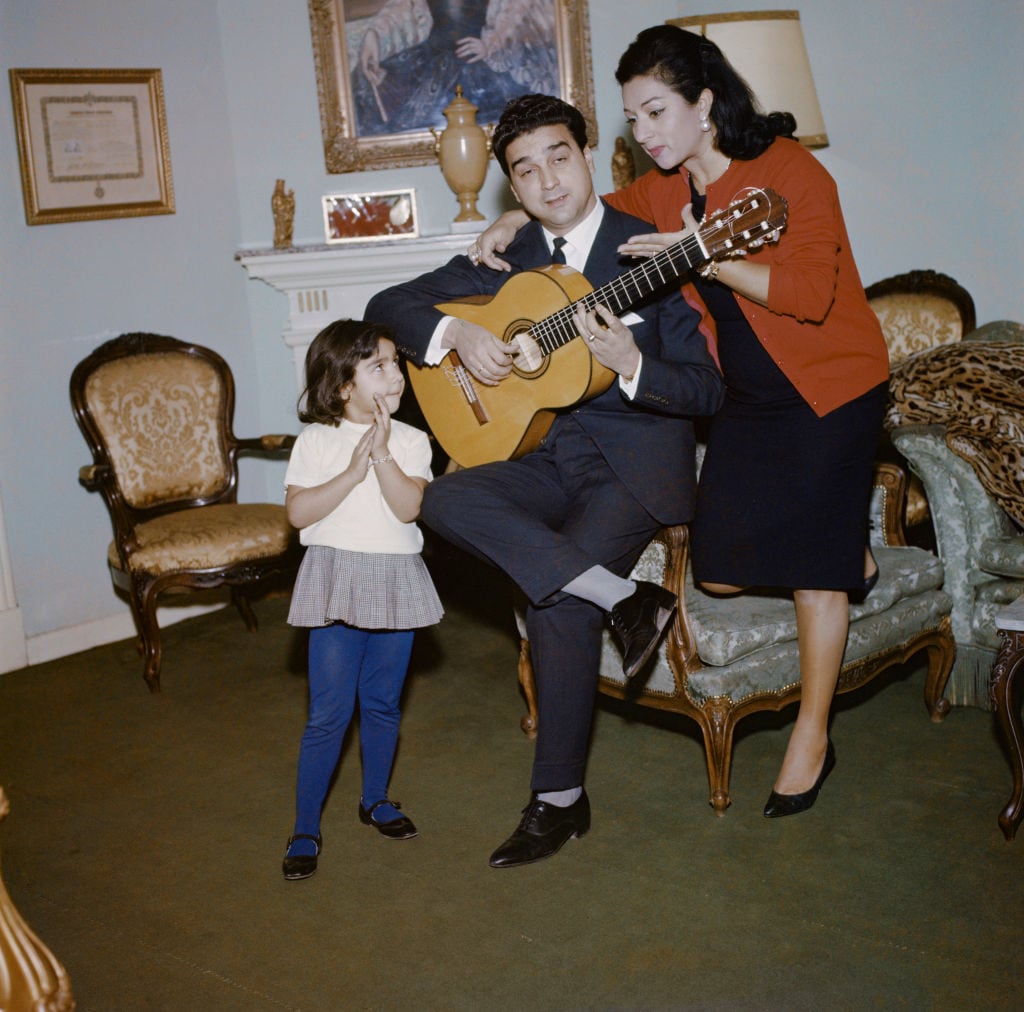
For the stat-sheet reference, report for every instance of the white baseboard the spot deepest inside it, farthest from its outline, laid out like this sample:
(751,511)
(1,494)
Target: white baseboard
(72,639)
(12,640)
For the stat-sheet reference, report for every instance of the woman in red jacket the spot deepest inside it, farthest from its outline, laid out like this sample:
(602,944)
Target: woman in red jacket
(785,486)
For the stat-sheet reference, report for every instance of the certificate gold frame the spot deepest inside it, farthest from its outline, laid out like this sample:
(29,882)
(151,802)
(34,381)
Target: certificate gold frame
(346,151)
(92,144)
(370,217)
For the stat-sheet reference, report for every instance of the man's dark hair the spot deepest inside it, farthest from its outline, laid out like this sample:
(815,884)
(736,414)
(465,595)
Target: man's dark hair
(527,113)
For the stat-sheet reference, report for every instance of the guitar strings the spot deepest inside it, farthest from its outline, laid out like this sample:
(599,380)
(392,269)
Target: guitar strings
(557,330)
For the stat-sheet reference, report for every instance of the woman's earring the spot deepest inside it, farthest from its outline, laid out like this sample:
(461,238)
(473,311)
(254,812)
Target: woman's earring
(705,124)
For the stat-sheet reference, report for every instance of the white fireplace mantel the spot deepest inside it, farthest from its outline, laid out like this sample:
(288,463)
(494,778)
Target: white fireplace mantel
(326,283)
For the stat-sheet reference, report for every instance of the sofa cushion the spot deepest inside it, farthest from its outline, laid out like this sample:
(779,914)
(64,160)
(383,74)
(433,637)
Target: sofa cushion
(728,628)
(1003,557)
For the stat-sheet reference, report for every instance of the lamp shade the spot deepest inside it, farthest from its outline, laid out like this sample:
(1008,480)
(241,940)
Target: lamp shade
(767,50)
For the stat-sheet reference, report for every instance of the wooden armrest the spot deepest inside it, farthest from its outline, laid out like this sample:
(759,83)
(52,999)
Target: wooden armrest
(892,480)
(275,443)
(92,475)
(682,640)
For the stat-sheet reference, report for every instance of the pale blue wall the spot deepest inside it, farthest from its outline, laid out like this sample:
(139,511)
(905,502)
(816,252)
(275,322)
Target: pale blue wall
(921,101)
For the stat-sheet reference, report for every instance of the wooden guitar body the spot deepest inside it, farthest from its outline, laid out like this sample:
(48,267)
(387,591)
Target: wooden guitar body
(506,421)
(553,368)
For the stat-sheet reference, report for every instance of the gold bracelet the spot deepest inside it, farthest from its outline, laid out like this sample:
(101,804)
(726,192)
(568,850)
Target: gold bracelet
(709,271)
(381,460)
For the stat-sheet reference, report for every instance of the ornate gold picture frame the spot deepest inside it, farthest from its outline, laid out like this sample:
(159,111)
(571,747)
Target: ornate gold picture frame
(92,144)
(365,127)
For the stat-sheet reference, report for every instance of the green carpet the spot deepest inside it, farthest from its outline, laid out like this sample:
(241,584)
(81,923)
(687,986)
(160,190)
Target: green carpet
(146,834)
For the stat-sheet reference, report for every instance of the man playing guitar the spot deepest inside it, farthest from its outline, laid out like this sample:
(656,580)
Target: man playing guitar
(567,520)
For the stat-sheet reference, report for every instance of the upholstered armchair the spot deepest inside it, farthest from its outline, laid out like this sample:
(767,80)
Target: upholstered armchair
(726,658)
(982,552)
(918,310)
(956,415)
(157,415)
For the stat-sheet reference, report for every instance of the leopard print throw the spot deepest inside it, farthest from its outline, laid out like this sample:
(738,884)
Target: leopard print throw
(975,389)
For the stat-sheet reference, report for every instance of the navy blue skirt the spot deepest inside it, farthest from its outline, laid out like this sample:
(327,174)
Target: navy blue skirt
(784,495)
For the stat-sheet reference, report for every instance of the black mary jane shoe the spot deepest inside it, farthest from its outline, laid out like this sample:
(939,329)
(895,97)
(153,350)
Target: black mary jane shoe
(779,805)
(401,828)
(299,866)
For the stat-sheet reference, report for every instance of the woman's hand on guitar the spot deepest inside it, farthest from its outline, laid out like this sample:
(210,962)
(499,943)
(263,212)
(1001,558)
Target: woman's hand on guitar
(495,239)
(610,341)
(654,242)
(487,358)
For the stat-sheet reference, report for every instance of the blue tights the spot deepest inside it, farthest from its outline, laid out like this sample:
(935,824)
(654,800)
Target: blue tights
(345,664)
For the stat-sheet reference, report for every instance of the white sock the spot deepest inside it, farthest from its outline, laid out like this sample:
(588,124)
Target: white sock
(561,799)
(600,586)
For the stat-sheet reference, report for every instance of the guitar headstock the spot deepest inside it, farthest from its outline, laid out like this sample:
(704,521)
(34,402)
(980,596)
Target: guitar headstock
(752,219)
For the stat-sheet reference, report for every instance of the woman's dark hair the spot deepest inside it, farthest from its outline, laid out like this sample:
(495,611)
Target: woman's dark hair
(689,63)
(527,113)
(331,363)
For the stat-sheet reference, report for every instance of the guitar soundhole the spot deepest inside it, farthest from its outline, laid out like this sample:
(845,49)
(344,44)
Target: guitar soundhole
(531,361)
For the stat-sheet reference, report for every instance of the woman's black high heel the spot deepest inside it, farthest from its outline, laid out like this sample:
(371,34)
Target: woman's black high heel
(779,805)
(858,595)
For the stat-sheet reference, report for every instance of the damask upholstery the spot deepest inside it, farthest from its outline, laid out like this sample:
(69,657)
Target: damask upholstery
(982,551)
(726,657)
(920,309)
(157,415)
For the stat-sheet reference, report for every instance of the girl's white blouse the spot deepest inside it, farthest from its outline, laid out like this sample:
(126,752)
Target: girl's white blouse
(362,521)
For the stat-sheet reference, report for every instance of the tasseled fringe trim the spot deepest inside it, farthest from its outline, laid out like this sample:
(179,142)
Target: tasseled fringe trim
(968,681)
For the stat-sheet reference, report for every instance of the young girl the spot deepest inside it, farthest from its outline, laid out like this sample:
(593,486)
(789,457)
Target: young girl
(355,480)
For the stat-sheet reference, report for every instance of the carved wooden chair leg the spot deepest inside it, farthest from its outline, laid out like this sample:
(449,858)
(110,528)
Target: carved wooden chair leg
(241,601)
(1009,662)
(529,687)
(149,631)
(31,977)
(940,663)
(718,730)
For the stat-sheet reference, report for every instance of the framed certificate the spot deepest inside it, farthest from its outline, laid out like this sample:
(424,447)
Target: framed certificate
(92,144)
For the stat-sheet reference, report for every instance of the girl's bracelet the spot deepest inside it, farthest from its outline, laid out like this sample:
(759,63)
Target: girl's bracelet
(381,460)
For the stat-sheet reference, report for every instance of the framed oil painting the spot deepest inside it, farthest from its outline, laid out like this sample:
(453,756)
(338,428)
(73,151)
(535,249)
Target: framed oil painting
(386,69)
(92,144)
(370,217)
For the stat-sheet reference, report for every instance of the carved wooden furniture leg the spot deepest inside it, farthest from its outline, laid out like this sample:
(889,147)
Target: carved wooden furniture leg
(529,686)
(1009,662)
(31,978)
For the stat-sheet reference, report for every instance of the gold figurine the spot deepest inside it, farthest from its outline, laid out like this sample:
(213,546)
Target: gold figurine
(283,206)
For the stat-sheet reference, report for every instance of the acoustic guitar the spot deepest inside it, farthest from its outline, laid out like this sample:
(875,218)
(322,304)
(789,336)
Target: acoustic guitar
(553,370)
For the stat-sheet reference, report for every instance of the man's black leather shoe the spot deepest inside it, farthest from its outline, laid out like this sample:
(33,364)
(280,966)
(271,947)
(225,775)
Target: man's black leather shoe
(542,831)
(638,622)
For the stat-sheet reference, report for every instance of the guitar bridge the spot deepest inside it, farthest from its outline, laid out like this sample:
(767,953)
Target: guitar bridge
(458,375)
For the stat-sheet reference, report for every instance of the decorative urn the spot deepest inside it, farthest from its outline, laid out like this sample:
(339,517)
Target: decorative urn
(462,149)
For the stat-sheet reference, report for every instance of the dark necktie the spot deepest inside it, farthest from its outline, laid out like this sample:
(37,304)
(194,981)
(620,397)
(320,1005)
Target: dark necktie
(558,256)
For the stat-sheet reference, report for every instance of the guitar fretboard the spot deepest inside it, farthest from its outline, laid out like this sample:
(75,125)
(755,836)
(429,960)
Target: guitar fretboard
(626,290)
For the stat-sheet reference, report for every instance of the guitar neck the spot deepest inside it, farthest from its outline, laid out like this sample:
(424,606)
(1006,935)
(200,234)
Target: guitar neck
(624,291)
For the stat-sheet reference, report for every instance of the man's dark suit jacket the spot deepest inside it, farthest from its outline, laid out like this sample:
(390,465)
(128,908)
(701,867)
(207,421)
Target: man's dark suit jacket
(648,442)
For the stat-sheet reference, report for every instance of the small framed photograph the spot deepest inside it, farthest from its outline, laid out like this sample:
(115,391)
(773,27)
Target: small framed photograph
(92,144)
(370,217)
